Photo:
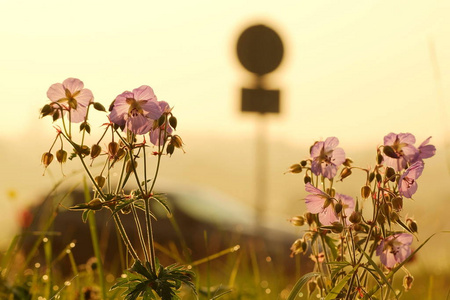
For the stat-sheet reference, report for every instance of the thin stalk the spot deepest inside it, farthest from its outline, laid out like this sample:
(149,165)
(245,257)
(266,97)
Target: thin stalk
(125,238)
(139,229)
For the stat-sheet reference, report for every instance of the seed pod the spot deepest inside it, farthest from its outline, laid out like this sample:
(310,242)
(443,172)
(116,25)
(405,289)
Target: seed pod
(61,156)
(176,141)
(412,225)
(337,227)
(46,159)
(365,191)
(96,149)
(100,180)
(173,122)
(85,150)
(348,162)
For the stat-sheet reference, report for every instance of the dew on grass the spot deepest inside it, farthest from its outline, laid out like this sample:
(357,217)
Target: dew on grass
(300,294)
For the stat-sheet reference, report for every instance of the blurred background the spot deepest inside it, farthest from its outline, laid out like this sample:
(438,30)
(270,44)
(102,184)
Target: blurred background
(356,70)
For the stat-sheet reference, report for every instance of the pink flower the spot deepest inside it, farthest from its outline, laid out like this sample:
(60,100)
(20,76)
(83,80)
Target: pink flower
(395,249)
(424,151)
(321,203)
(326,158)
(157,135)
(135,110)
(407,184)
(71,97)
(404,151)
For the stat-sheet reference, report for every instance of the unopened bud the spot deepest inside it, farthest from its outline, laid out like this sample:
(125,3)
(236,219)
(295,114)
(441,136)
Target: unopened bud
(303,163)
(98,106)
(295,169)
(337,227)
(394,217)
(379,158)
(113,148)
(120,154)
(173,122)
(170,149)
(412,225)
(365,191)
(131,166)
(46,110)
(307,179)
(161,120)
(296,247)
(378,177)
(297,221)
(312,284)
(390,174)
(348,162)
(381,219)
(338,207)
(61,156)
(390,152)
(95,204)
(407,282)
(386,209)
(85,126)
(371,176)
(46,159)
(397,203)
(355,217)
(100,180)
(309,218)
(345,173)
(96,149)
(176,141)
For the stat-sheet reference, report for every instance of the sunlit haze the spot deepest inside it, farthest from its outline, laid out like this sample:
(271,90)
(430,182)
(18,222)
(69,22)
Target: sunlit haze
(356,70)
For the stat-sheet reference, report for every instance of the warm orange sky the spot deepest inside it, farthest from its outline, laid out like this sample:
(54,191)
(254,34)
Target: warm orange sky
(352,69)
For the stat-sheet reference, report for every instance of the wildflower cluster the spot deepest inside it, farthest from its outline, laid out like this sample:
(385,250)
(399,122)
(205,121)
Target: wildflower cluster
(343,241)
(134,118)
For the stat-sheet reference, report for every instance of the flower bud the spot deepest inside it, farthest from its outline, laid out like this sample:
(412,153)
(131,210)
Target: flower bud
(394,217)
(96,149)
(100,180)
(303,163)
(170,149)
(337,227)
(381,219)
(397,203)
(379,158)
(296,247)
(345,173)
(131,166)
(85,126)
(46,110)
(113,147)
(365,192)
(338,207)
(61,156)
(412,225)
(309,218)
(348,162)
(295,169)
(390,152)
(371,176)
(161,120)
(355,217)
(176,141)
(378,178)
(98,106)
(307,179)
(390,174)
(386,208)
(55,115)
(297,221)
(120,154)
(312,284)
(95,204)
(46,159)
(407,282)
(173,122)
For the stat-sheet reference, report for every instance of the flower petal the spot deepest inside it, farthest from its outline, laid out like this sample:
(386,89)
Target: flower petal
(330,143)
(139,124)
(84,97)
(56,92)
(144,92)
(73,85)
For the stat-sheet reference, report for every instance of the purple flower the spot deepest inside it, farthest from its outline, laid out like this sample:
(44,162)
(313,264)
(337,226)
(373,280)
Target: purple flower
(136,110)
(394,249)
(158,134)
(71,97)
(402,144)
(318,202)
(425,151)
(407,184)
(326,158)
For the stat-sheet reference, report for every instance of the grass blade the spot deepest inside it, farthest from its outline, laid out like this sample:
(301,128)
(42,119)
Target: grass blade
(300,283)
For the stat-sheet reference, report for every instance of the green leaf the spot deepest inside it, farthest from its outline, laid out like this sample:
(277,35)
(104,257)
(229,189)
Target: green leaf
(139,268)
(379,272)
(300,283)
(85,215)
(338,287)
(161,199)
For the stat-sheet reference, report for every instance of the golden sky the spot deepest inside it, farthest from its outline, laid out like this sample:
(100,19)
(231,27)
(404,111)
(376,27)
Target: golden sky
(352,69)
